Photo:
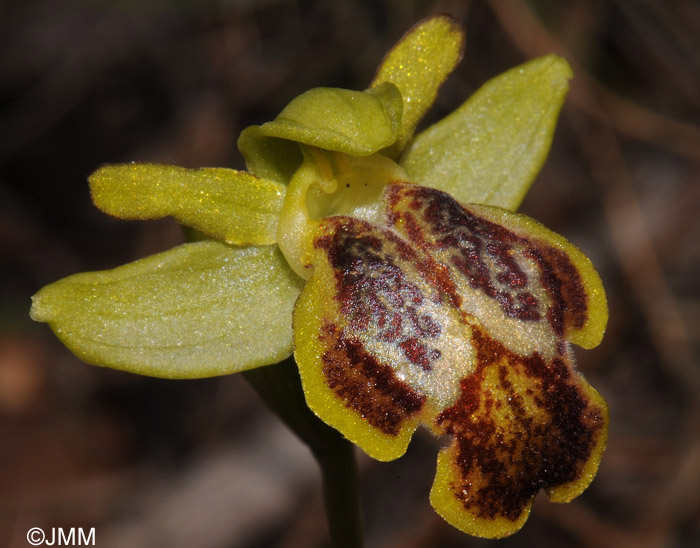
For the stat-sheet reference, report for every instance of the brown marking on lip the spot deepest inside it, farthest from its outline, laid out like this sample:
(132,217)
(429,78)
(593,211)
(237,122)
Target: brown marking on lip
(375,292)
(365,385)
(503,464)
(418,353)
(382,288)
(470,244)
(435,222)
(564,285)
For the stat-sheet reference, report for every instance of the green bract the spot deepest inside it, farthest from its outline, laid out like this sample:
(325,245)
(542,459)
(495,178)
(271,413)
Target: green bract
(383,263)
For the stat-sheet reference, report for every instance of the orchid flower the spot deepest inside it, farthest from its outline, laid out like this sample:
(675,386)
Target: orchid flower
(391,265)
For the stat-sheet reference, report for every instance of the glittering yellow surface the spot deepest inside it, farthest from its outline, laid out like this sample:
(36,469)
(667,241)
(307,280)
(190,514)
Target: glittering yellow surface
(233,206)
(490,149)
(418,64)
(197,310)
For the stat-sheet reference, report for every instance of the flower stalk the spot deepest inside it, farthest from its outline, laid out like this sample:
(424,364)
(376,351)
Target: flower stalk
(279,386)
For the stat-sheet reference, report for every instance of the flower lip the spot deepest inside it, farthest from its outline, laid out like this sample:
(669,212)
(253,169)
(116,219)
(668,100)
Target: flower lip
(455,317)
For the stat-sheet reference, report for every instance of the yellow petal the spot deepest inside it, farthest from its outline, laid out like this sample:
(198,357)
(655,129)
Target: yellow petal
(232,206)
(418,65)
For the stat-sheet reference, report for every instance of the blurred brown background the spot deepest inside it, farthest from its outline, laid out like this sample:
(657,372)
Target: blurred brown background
(156,463)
